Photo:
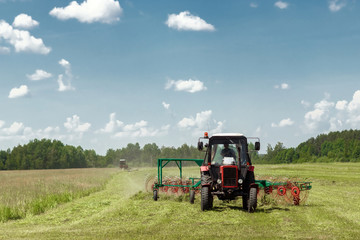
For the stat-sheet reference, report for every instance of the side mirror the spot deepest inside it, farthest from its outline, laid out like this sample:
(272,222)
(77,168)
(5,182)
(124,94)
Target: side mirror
(257,146)
(200,146)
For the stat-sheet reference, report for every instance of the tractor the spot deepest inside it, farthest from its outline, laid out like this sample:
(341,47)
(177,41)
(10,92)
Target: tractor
(122,164)
(227,172)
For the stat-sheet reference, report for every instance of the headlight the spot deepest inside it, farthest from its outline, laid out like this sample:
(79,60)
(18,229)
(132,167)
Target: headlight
(240,181)
(219,181)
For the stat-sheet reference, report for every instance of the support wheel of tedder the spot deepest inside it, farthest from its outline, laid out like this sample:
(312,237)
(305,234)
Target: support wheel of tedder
(252,202)
(155,196)
(206,198)
(192,196)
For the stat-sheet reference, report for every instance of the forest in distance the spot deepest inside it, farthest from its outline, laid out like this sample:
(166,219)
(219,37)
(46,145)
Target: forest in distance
(341,146)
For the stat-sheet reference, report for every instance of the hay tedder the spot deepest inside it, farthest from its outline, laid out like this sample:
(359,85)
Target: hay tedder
(227,173)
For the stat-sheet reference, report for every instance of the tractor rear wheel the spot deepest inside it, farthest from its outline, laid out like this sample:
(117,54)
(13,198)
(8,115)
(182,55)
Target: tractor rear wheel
(155,195)
(206,201)
(192,196)
(252,202)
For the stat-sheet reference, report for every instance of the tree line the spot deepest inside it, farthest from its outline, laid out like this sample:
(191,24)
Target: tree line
(337,146)
(53,154)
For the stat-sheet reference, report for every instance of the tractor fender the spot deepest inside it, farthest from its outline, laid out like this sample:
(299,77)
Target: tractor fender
(254,185)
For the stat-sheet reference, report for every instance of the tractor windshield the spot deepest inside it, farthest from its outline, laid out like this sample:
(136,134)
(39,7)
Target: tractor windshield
(221,154)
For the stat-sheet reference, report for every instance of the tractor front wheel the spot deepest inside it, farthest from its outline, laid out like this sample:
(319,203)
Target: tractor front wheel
(206,198)
(252,202)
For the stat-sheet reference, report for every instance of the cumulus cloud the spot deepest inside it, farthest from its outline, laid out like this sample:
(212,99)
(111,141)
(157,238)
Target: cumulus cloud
(185,21)
(118,129)
(112,125)
(341,105)
(67,77)
(39,75)
(201,122)
(320,113)
(21,91)
(4,50)
(21,40)
(73,124)
(336,5)
(17,132)
(166,105)
(90,11)
(281,4)
(15,128)
(283,123)
(190,85)
(2,123)
(141,129)
(283,86)
(24,21)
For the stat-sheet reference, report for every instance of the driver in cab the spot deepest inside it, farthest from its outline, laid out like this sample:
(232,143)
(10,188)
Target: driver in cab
(228,152)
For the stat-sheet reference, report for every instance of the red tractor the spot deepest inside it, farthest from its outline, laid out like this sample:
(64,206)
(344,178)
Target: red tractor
(227,171)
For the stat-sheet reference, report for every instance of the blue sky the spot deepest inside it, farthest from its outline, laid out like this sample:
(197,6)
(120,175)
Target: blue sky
(104,73)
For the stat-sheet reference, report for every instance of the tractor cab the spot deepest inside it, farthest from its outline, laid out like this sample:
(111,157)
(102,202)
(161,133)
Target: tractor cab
(227,171)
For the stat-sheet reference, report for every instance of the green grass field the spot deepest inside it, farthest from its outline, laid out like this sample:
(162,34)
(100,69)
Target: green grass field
(121,211)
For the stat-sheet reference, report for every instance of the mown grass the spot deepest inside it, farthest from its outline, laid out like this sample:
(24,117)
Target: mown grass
(124,211)
(33,192)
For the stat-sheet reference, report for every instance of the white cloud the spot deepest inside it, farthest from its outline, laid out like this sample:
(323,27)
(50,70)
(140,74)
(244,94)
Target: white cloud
(141,129)
(354,105)
(281,4)
(320,114)
(118,129)
(190,85)
(335,124)
(305,103)
(24,21)
(21,40)
(15,128)
(254,5)
(283,123)
(19,92)
(68,77)
(166,105)
(201,122)
(341,105)
(4,50)
(336,5)
(39,75)
(2,123)
(73,124)
(187,22)
(112,125)
(283,86)
(89,11)
(135,126)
